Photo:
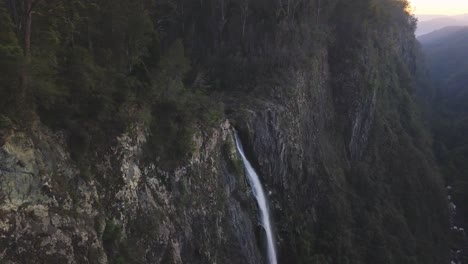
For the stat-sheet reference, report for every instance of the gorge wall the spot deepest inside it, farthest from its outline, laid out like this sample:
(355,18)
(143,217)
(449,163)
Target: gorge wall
(322,95)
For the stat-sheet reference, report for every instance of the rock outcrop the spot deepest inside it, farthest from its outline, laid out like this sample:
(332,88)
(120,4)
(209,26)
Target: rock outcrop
(202,212)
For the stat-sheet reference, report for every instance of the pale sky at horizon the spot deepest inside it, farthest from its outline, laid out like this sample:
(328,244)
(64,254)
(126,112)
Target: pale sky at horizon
(439,7)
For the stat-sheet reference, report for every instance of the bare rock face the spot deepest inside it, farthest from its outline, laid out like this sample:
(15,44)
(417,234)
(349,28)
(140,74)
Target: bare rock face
(130,209)
(40,221)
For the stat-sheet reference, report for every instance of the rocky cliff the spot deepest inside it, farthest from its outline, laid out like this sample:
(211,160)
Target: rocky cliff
(322,97)
(202,212)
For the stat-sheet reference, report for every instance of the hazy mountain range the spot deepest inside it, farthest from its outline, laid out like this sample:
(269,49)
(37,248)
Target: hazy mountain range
(429,23)
(446,53)
(443,34)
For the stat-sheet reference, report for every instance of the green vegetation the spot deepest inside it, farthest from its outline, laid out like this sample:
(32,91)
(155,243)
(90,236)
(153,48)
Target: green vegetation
(118,249)
(10,63)
(93,67)
(5,122)
(374,211)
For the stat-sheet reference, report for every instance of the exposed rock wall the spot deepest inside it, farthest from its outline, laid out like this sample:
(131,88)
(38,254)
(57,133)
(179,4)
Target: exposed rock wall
(202,212)
(348,163)
(42,219)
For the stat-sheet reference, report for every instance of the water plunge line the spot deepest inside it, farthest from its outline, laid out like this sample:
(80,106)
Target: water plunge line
(259,194)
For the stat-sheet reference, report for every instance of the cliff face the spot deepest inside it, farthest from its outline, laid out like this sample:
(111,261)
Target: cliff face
(328,120)
(202,212)
(40,218)
(350,176)
(346,155)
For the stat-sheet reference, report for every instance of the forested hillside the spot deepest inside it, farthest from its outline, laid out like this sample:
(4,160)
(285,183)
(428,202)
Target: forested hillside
(117,120)
(447,55)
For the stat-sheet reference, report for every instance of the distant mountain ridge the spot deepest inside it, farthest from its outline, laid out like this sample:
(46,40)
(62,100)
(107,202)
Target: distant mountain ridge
(422,18)
(441,34)
(446,52)
(430,23)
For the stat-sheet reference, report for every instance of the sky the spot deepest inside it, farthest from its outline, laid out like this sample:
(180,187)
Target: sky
(440,7)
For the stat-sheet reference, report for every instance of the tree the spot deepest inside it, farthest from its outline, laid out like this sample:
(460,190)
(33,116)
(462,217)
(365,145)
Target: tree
(244,15)
(26,29)
(10,58)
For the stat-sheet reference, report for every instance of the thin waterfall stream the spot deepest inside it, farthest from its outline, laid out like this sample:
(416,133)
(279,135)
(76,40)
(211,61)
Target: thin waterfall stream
(259,194)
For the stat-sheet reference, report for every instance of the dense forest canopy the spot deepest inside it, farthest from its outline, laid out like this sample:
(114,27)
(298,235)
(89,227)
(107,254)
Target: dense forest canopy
(87,66)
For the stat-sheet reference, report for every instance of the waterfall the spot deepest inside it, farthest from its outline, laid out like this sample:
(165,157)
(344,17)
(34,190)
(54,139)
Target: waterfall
(257,190)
